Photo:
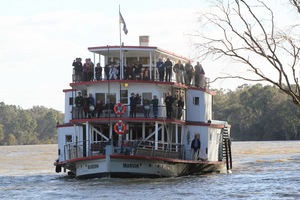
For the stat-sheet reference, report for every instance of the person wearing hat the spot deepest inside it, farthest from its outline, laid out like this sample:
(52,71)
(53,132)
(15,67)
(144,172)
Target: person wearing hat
(133,103)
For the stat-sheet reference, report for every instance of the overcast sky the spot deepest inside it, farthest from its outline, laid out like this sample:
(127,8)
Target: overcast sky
(40,39)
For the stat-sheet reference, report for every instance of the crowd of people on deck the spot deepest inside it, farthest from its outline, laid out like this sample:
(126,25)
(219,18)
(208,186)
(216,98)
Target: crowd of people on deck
(184,74)
(86,107)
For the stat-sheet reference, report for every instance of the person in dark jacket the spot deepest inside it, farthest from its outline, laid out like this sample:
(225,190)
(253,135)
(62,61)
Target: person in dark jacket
(133,103)
(98,70)
(79,105)
(169,103)
(180,105)
(106,71)
(154,103)
(77,64)
(86,102)
(199,75)
(99,108)
(108,108)
(161,69)
(168,66)
(195,148)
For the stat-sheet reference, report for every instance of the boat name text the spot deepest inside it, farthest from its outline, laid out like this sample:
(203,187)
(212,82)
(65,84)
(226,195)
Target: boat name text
(93,166)
(130,165)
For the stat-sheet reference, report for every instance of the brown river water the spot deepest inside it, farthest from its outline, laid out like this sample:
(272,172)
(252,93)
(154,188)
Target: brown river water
(261,170)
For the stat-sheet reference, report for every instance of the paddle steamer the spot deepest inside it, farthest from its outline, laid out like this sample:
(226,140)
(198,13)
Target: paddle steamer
(114,142)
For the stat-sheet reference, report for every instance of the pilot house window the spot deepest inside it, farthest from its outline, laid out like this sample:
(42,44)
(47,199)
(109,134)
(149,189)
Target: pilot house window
(196,100)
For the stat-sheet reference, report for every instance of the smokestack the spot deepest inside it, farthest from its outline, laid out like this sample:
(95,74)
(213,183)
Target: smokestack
(144,40)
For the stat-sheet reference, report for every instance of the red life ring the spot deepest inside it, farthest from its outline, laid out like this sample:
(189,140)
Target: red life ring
(120,127)
(119,109)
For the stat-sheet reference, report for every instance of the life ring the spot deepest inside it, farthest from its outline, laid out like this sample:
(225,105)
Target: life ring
(120,128)
(119,109)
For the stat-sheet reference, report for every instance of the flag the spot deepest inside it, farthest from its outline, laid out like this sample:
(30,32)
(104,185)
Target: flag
(124,24)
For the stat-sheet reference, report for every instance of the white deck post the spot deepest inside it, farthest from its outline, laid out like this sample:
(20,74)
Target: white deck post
(150,65)
(156,135)
(163,136)
(110,130)
(143,131)
(94,66)
(176,136)
(87,142)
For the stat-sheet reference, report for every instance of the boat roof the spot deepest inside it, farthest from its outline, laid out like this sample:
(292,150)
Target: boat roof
(136,51)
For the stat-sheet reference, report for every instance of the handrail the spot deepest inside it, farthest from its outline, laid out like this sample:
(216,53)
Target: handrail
(76,149)
(140,113)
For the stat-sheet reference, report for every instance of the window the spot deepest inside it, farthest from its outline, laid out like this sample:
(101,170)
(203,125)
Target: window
(70,101)
(196,101)
(147,96)
(111,97)
(68,139)
(144,60)
(131,60)
(124,96)
(100,96)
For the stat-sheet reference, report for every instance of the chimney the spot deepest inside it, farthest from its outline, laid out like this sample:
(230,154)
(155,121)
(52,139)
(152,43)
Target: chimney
(144,40)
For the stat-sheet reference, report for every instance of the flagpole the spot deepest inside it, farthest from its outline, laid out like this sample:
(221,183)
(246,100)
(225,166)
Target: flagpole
(121,55)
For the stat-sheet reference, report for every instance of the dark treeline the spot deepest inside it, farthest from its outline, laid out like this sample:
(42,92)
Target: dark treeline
(33,126)
(258,113)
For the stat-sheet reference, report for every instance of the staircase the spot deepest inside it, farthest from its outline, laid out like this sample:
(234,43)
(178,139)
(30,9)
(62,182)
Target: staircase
(226,148)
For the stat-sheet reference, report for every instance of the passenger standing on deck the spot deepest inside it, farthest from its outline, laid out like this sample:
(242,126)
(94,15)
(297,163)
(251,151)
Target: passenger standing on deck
(84,69)
(98,71)
(154,103)
(168,66)
(99,108)
(180,105)
(90,70)
(179,71)
(78,69)
(108,108)
(199,75)
(188,73)
(146,105)
(146,74)
(195,148)
(86,102)
(138,98)
(113,73)
(169,103)
(133,103)
(138,71)
(91,105)
(106,71)
(129,72)
(161,69)
(79,105)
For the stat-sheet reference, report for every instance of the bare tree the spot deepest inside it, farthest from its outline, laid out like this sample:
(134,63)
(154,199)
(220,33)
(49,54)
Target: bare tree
(248,33)
(296,3)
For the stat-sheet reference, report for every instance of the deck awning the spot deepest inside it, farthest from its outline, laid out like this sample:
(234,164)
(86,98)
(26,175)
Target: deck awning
(136,51)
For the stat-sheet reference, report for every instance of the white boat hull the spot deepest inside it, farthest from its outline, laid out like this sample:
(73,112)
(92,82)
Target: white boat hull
(139,166)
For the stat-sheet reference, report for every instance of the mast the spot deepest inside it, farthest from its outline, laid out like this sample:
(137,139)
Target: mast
(121,52)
